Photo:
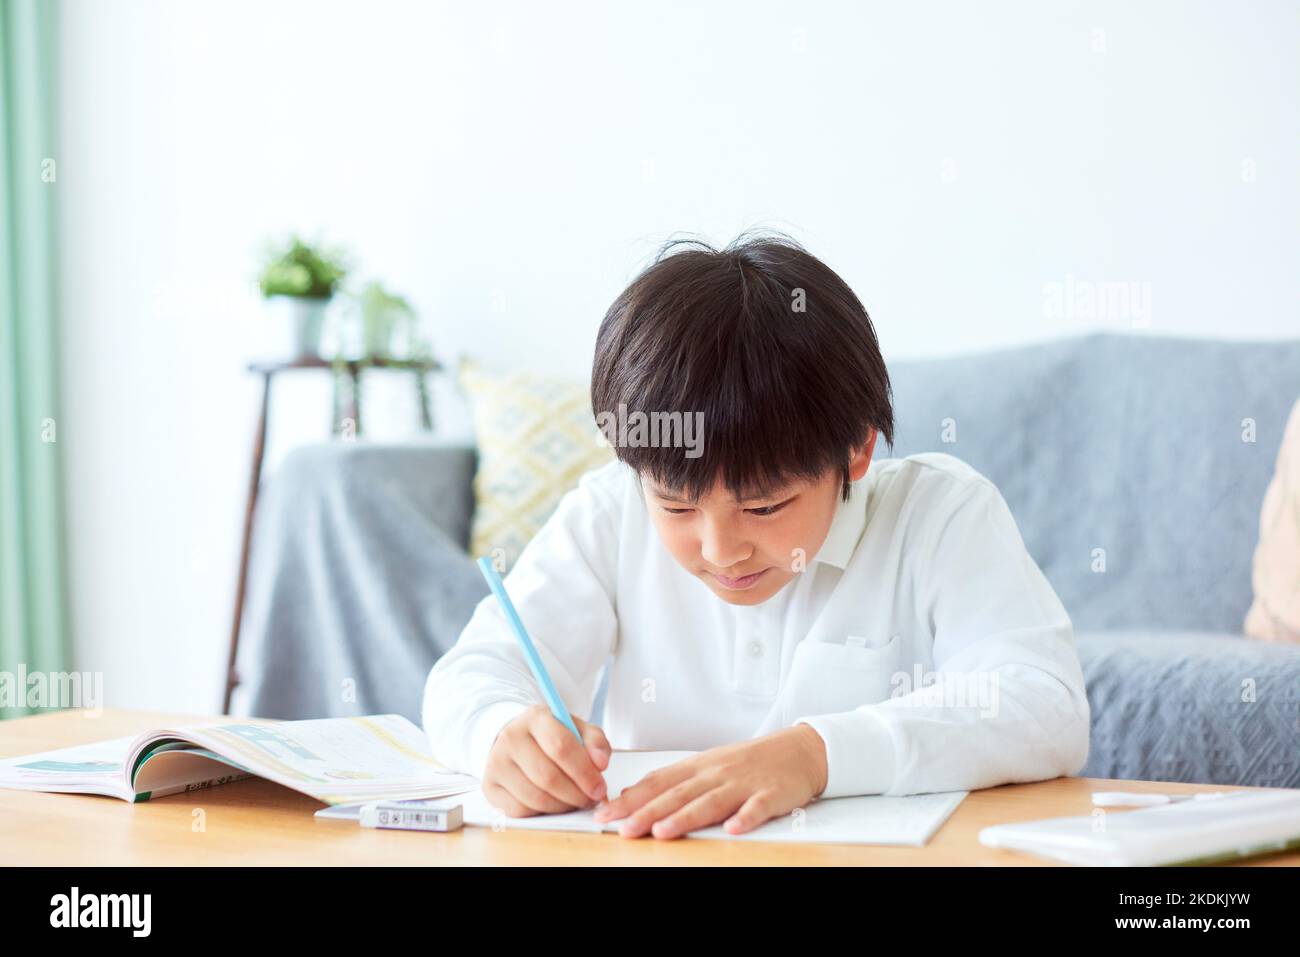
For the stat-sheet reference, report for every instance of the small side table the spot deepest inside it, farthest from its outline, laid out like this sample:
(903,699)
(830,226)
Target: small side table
(346,408)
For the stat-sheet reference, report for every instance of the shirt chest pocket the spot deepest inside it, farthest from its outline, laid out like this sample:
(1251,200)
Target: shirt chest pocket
(829,677)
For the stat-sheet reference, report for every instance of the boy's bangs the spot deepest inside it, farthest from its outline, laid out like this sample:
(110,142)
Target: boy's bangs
(754,450)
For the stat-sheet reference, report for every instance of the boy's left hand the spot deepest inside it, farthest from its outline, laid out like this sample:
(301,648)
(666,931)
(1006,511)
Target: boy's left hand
(740,785)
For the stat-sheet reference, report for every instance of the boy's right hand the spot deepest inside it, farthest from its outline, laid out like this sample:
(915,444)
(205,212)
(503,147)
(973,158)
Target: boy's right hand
(536,765)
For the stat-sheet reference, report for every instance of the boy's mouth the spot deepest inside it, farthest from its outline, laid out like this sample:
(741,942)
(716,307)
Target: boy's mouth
(739,584)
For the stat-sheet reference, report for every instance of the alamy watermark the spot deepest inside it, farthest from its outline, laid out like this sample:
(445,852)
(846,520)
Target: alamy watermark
(53,689)
(641,430)
(133,912)
(1098,300)
(971,689)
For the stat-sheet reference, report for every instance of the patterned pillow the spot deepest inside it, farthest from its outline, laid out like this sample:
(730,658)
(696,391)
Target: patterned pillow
(536,437)
(1275,614)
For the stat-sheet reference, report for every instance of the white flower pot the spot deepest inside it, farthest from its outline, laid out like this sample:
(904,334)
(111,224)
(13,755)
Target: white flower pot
(301,322)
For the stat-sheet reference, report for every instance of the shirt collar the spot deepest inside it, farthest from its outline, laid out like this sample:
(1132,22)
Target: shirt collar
(847,526)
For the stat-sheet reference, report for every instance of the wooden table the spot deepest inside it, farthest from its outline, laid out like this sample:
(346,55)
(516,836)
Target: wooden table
(255,822)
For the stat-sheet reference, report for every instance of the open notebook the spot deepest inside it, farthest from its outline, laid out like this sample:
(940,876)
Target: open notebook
(873,819)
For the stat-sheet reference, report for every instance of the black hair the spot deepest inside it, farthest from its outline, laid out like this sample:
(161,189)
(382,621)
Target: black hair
(763,343)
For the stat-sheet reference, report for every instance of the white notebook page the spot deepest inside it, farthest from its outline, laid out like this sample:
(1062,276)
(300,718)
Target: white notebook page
(872,819)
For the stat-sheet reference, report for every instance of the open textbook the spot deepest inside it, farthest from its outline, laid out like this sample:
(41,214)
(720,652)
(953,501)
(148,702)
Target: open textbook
(870,819)
(335,760)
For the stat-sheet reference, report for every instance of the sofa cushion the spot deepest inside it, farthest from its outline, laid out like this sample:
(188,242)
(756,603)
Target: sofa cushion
(1275,613)
(1134,465)
(536,437)
(1199,707)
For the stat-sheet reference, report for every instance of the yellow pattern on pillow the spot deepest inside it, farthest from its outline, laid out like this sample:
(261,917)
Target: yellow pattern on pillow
(1275,613)
(536,437)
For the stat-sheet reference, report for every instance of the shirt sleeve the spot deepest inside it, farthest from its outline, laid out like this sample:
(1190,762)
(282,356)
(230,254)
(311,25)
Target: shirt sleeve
(1008,701)
(562,585)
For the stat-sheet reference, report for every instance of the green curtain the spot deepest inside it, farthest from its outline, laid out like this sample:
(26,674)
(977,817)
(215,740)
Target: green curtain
(33,617)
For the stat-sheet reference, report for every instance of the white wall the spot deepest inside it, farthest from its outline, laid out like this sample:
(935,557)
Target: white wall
(509,166)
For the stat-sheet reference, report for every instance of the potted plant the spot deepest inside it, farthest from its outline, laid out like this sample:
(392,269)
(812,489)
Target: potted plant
(299,281)
(381,314)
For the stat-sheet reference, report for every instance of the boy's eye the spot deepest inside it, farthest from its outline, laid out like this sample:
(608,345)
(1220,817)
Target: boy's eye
(761,511)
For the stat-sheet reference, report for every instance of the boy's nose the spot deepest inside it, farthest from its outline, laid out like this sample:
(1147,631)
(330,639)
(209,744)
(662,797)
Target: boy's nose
(722,554)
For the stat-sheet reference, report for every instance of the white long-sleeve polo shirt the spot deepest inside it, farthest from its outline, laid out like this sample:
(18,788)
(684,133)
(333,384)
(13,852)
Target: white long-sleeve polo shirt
(922,642)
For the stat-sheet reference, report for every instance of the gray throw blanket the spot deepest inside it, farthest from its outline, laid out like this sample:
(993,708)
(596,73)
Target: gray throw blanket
(358,581)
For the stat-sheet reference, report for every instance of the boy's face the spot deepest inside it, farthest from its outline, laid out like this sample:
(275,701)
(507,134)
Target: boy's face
(747,551)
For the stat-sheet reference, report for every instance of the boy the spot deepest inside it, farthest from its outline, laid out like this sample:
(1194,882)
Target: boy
(814,622)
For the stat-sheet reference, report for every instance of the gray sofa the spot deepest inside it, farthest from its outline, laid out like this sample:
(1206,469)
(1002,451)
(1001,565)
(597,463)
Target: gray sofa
(1128,463)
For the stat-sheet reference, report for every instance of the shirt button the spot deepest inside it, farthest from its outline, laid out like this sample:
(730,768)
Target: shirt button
(755,649)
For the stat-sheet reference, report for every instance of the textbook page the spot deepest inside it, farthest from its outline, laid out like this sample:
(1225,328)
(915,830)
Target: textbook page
(870,819)
(336,760)
(97,768)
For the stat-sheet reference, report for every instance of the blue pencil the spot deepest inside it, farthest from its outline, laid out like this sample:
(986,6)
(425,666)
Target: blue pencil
(530,651)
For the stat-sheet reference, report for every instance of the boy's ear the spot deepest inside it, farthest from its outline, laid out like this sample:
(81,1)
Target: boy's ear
(861,459)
